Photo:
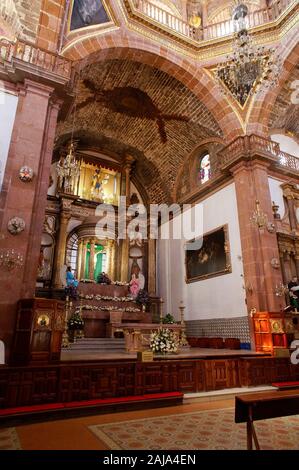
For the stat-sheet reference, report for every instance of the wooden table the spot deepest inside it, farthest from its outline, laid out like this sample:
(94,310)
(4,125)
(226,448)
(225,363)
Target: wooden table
(264,405)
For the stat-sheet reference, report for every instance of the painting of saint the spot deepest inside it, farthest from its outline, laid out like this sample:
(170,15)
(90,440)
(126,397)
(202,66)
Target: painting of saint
(88,13)
(209,260)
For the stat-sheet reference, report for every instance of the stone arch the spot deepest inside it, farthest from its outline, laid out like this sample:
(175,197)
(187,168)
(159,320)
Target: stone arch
(258,122)
(120,45)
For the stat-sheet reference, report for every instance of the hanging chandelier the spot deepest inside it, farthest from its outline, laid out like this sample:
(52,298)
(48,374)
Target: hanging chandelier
(249,67)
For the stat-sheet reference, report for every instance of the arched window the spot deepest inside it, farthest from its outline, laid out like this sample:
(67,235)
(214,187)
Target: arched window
(204,168)
(72,251)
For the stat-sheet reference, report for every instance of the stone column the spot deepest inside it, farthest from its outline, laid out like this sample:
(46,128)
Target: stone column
(79,259)
(282,264)
(184,10)
(297,259)
(91,259)
(152,267)
(204,17)
(287,263)
(258,248)
(83,264)
(31,144)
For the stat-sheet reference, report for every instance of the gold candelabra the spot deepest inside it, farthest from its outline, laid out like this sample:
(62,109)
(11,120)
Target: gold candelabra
(65,337)
(183,339)
(11,259)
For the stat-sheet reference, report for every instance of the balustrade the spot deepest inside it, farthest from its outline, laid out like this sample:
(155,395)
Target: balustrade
(30,54)
(211,31)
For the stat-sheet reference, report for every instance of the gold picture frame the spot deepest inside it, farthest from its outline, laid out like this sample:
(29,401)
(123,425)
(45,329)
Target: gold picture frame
(211,259)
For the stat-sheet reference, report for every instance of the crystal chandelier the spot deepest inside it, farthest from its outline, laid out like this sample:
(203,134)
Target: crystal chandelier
(249,66)
(10,259)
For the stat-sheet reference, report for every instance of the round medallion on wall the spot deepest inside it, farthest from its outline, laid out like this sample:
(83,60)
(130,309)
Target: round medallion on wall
(26,174)
(16,225)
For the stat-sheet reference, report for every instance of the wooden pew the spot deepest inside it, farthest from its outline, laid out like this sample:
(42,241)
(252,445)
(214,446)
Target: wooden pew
(264,405)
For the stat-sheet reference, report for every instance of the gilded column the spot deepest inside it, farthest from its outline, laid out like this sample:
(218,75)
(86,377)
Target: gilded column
(83,264)
(124,272)
(60,248)
(91,259)
(112,254)
(79,259)
(110,259)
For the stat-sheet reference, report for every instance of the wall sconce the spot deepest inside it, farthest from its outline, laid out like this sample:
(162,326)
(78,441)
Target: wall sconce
(259,218)
(280,290)
(10,260)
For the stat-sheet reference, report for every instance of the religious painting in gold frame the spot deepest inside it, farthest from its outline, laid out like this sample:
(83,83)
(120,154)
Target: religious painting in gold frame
(88,13)
(211,256)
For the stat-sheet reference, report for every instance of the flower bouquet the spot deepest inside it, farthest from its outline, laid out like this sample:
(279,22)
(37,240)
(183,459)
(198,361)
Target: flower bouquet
(164,341)
(75,322)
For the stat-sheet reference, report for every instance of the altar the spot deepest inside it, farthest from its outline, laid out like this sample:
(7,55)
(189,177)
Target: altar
(105,306)
(137,335)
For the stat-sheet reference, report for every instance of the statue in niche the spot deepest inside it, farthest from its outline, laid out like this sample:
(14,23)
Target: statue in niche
(97,185)
(137,280)
(135,237)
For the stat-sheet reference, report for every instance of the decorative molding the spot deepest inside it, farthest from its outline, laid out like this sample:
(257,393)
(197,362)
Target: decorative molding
(16,225)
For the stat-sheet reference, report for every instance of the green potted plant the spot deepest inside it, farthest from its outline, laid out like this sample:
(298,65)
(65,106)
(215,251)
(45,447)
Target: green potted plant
(168,319)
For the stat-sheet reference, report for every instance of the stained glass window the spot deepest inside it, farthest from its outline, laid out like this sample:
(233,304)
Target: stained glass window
(204,168)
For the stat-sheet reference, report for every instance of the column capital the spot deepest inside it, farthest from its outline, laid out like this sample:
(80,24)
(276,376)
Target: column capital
(37,88)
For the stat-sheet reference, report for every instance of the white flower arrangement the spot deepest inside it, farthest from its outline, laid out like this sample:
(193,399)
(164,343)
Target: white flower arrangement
(164,341)
(107,298)
(110,309)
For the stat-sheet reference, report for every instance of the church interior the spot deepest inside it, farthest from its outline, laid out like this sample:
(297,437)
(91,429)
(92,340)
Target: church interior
(149,224)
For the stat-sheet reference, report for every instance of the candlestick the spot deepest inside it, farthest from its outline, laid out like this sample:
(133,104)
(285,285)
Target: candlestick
(183,340)
(65,337)
(161,310)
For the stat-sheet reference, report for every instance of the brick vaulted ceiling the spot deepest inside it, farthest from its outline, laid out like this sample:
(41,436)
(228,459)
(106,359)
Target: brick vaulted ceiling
(285,113)
(129,107)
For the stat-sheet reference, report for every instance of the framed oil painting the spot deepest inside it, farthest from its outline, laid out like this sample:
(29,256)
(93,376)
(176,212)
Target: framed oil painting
(211,259)
(88,13)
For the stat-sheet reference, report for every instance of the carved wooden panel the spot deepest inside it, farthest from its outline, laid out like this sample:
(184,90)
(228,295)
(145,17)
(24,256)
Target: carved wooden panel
(66,382)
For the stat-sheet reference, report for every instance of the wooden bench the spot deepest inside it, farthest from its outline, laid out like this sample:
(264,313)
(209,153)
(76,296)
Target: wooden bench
(264,405)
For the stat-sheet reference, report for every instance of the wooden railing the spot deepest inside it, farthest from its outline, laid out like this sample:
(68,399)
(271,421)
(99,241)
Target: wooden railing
(211,31)
(30,54)
(253,145)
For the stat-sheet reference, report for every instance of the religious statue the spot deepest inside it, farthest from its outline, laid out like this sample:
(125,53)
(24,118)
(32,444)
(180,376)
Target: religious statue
(135,237)
(68,170)
(137,281)
(98,181)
